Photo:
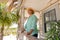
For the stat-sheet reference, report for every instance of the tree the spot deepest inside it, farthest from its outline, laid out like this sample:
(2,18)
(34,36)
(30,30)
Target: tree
(6,19)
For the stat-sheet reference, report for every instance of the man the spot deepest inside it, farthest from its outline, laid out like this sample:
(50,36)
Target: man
(31,25)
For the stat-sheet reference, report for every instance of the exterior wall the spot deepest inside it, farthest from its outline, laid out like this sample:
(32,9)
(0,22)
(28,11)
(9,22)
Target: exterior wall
(58,14)
(42,33)
(41,26)
(56,7)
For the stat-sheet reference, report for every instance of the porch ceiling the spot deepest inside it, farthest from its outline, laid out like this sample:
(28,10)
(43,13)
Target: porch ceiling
(36,4)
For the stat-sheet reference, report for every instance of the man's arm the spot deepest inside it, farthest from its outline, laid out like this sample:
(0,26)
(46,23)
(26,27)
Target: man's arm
(28,33)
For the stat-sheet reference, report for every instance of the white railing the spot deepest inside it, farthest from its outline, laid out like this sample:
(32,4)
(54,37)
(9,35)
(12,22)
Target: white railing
(29,37)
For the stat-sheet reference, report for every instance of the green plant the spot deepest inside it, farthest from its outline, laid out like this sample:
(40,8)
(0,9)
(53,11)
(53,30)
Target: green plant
(6,19)
(54,31)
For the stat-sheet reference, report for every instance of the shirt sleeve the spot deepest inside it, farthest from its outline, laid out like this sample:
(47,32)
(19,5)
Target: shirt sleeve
(33,22)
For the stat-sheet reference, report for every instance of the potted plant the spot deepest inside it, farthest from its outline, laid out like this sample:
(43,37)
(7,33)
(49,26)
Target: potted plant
(54,31)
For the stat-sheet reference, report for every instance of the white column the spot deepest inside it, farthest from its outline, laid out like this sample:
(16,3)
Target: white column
(21,20)
(21,23)
(41,24)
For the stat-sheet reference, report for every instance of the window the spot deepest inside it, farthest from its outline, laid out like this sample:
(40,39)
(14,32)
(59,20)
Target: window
(49,16)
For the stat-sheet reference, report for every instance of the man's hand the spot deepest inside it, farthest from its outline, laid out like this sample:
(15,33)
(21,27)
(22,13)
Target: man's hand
(22,30)
(28,33)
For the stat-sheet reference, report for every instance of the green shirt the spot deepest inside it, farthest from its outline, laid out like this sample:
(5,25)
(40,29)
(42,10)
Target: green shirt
(31,24)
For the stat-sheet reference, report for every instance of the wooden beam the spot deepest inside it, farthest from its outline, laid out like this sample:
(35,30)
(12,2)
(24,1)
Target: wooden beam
(12,7)
(50,4)
(34,10)
(3,1)
(10,4)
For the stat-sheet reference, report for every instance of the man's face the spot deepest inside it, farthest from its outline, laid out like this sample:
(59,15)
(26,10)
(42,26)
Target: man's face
(29,12)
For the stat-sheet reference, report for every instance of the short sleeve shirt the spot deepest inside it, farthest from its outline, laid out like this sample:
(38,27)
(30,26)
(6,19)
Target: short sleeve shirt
(31,24)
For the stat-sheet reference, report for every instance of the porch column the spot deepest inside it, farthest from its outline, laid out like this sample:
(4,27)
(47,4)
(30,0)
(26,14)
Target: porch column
(41,24)
(21,20)
(21,24)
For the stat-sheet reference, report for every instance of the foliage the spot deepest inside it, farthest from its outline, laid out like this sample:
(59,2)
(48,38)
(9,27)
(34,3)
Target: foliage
(15,14)
(15,18)
(54,31)
(7,18)
(10,31)
(4,16)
